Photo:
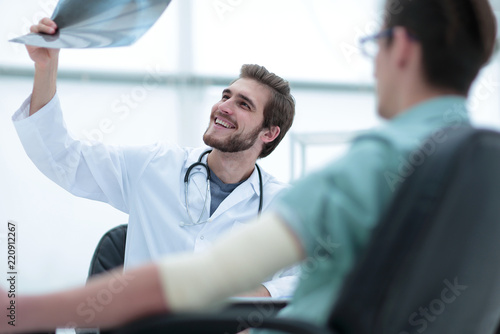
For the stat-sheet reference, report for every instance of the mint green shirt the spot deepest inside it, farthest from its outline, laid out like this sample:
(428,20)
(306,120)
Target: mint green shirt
(333,211)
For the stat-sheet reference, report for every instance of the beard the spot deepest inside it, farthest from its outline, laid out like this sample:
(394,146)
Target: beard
(235,143)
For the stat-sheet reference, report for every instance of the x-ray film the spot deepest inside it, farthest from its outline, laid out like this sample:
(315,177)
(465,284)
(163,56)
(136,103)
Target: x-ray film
(98,23)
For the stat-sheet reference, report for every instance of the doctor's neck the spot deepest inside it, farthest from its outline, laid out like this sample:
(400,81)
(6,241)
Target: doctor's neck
(231,167)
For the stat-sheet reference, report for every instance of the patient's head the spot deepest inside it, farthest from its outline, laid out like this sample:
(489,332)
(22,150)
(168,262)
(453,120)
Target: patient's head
(457,37)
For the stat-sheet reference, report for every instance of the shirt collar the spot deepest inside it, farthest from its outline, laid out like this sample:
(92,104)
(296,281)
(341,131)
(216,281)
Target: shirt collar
(449,109)
(194,155)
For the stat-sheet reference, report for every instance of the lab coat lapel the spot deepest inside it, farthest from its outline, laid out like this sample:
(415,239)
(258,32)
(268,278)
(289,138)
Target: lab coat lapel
(198,175)
(197,187)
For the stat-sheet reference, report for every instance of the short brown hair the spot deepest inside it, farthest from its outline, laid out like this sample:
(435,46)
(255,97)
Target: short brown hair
(280,109)
(457,37)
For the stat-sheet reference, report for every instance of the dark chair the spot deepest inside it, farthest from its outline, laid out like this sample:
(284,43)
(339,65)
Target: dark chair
(110,251)
(432,264)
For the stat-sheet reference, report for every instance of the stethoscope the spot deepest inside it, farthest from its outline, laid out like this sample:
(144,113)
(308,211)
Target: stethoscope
(186,186)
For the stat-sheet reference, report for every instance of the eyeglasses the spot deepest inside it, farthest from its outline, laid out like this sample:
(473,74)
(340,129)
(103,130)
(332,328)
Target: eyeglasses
(369,45)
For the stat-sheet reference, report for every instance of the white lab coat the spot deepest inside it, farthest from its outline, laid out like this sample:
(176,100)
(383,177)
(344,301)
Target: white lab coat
(148,184)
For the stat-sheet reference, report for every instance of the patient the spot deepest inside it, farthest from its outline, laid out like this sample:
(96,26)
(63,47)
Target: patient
(429,53)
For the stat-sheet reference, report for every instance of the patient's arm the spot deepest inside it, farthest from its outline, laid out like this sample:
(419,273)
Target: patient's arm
(106,301)
(193,281)
(236,264)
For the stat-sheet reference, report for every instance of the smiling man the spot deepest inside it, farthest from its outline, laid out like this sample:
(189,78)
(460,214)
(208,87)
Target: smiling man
(168,215)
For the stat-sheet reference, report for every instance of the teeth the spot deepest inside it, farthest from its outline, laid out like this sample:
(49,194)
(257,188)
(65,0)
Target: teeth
(221,122)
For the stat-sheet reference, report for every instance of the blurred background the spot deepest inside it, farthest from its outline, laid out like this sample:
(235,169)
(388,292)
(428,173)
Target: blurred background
(162,89)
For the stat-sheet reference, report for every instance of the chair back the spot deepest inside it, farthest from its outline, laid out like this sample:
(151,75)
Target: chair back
(433,262)
(110,251)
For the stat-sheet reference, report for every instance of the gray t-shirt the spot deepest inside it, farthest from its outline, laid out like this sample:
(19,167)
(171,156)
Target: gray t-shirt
(219,191)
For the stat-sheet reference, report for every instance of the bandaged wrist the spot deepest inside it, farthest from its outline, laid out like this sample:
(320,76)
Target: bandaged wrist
(237,263)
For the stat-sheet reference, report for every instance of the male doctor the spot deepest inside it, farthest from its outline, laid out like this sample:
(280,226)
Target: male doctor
(166,216)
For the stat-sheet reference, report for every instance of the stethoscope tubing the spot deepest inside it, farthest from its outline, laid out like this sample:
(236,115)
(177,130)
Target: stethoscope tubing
(204,165)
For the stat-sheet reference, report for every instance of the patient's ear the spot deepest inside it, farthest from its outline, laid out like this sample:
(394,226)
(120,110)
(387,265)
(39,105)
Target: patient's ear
(403,46)
(270,134)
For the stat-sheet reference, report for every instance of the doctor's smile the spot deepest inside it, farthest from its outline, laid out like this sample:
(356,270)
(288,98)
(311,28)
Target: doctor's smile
(223,123)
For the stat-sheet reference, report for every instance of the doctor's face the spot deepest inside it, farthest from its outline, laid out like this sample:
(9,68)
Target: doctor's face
(236,120)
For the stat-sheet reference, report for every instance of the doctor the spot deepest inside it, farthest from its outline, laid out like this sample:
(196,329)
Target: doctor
(178,199)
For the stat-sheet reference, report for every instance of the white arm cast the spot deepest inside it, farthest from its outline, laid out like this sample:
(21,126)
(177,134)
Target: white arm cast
(237,263)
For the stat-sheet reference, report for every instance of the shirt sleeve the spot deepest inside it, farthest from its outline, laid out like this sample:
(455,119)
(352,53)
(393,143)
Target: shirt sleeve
(91,170)
(283,283)
(333,211)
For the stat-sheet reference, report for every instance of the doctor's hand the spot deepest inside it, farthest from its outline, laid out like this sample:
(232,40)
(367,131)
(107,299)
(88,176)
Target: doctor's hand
(46,62)
(43,56)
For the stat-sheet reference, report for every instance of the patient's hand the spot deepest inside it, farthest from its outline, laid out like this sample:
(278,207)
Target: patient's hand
(246,331)
(261,291)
